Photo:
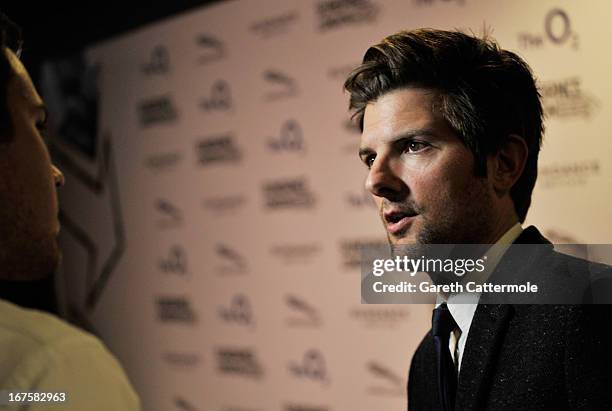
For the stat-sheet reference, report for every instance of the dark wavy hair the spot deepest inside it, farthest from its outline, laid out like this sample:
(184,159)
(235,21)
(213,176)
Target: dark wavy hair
(485,93)
(10,37)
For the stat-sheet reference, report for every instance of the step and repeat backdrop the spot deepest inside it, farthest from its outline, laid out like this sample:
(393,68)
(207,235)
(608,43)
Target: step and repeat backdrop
(214,206)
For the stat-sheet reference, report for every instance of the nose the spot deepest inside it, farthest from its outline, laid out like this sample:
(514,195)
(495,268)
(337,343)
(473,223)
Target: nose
(58,176)
(383,181)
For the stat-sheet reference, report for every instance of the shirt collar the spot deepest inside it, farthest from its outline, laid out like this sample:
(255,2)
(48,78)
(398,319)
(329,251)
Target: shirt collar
(462,306)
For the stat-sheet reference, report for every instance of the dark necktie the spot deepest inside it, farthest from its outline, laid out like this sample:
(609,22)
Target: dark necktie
(442,325)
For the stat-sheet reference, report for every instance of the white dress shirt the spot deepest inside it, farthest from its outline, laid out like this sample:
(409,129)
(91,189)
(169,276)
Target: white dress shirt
(462,306)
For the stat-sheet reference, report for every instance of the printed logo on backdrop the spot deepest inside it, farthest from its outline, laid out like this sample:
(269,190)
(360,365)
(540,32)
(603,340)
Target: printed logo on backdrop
(157,110)
(163,161)
(218,149)
(274,25)
(300,407)
(241,362)
(239,311)
(181,404)
(388,382)
(340,73)
(230,260)
(231,408)
(556,31)
(158,63)
(568,174)
(290,139)
(279,85)
(567,243)
(353,132)
(288,193)
(228,204)
(301,313)
(175,310)
(219,98)
(351,251)
(567,99)
(175,262)
(334,14)
(168,215)
(311,367)
(424,3)
(210,48)
(360,200)
(295,253)
(181,360)
(383,317)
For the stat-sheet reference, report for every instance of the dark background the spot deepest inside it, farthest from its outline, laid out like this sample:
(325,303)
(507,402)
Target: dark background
(57,29)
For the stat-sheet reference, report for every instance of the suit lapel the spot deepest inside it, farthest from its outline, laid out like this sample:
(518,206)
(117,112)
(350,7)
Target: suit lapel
(486,336)
(481,353)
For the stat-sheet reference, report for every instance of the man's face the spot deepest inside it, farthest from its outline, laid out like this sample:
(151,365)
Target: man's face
(29,209)
(422,175)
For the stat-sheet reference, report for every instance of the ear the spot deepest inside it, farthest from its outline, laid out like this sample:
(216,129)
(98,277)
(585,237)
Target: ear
(507,165)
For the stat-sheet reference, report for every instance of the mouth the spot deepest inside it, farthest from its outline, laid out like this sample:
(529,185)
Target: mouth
(399,221)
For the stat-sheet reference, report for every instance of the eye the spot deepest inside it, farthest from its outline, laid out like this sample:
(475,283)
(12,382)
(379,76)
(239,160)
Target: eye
(369,160)
(415,146)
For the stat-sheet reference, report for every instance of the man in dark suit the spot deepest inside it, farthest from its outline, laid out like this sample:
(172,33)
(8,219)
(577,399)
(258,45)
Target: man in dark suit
(451,131)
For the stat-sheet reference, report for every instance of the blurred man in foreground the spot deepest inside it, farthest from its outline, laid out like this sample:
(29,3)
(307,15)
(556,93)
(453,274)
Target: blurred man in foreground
(39,352)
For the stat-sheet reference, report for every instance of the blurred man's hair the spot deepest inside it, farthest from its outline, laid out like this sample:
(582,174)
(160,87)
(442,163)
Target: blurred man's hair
(483,92)
(10,37)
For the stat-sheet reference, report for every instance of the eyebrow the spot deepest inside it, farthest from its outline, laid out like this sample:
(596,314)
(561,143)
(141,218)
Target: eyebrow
(363,151)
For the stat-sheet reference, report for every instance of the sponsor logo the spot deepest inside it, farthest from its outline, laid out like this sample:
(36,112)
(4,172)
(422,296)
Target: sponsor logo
(218,149)
(291,138)
(159,62)
(312,367)
(557,32)
(351,126)
(220,98)
(288,193)
(275,25)
(239,311)
(432,2)
(295,253)
(181,360)
(571,174)
(175,309)
(169,216)
(279,84)
(333,14)
(232,262)
(374,317)
(389,383)
(360,200)
(157,110)
(352,251)
(182,404)
(300,407)
(239,361)
(175,262)
(210,49)
(566,99)
(341,72)
(163,161)
(302,313)
(241,409)
(225,204)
